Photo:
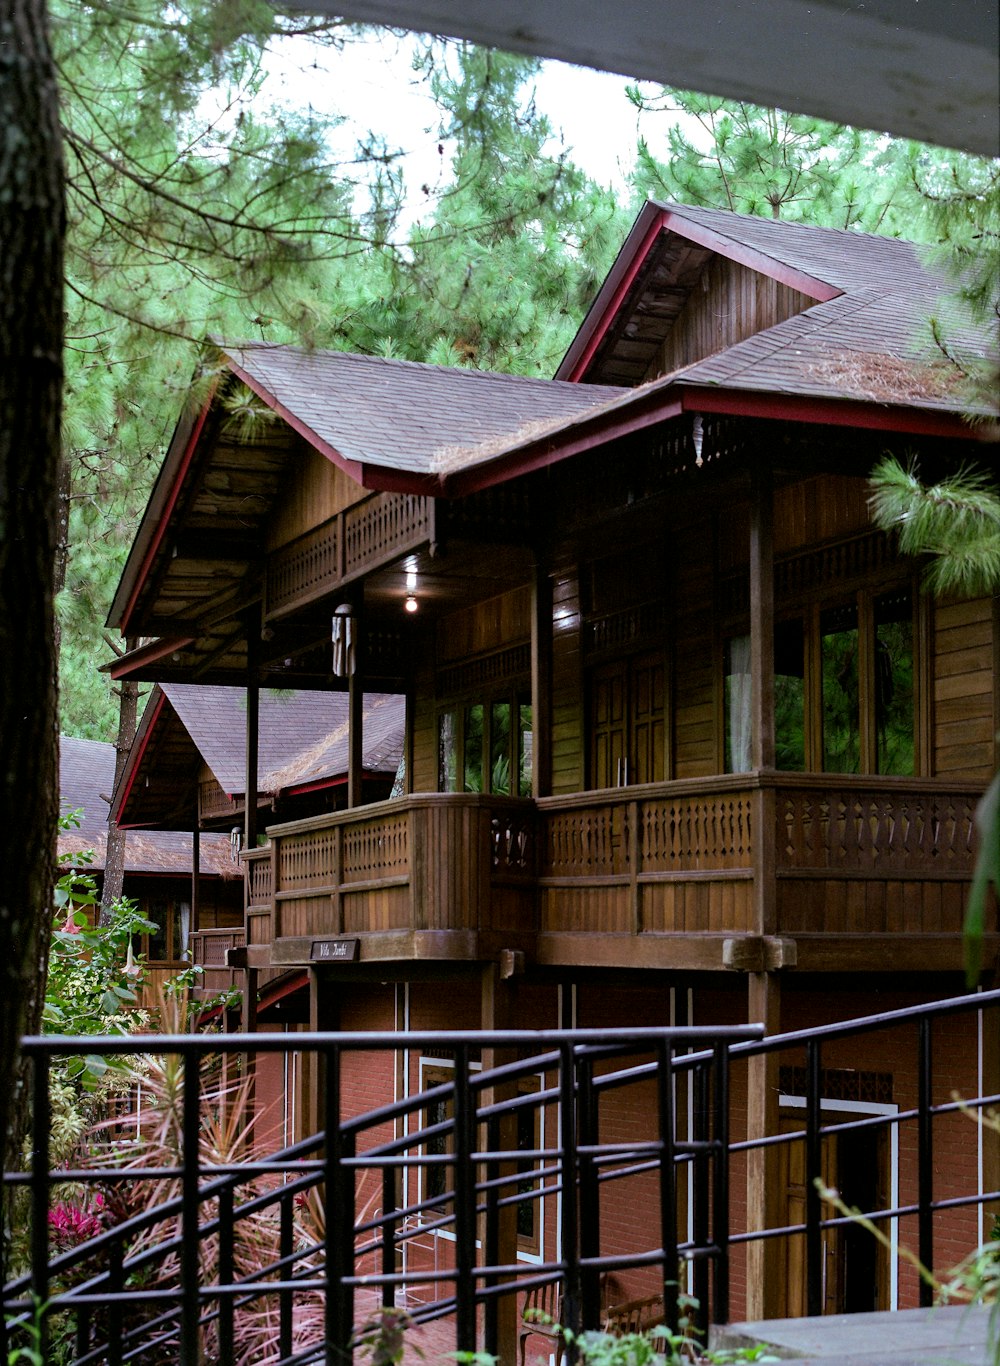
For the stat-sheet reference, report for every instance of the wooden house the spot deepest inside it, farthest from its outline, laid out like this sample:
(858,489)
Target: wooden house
(685,740)
(159,863)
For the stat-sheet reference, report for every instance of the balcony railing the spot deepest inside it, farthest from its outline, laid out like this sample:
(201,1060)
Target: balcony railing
(195,1249)
(674,858)
(208,952)
(427,864)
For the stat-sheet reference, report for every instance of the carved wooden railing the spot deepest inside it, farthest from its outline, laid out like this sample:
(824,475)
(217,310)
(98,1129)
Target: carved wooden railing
(208,952)
(662,857)
(674,858)
(369,533)
(430,862)
(213,802)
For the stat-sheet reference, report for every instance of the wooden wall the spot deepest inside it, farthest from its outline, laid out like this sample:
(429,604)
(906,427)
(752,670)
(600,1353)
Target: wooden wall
(317,491)
(730,303)
(963,689)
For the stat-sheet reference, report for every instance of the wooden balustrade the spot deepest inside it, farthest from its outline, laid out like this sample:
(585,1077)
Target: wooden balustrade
(208,952)
(369,533)
(667,859)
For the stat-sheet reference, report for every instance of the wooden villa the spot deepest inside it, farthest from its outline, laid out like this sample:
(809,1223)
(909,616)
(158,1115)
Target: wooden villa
(684,739)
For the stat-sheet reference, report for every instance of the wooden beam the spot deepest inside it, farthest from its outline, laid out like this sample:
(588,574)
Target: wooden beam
(763,1194)
(541,683)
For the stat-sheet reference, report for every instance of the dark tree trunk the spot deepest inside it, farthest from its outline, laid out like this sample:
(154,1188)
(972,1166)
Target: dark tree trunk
(31,313)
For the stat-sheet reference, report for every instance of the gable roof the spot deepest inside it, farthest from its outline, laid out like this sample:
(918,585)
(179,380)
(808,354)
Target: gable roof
(303,742)
(86,777)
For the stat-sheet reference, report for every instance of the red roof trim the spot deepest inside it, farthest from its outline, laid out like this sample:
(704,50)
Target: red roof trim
(611,310)
(163,520)
(753,257)
(135,756)
(277,991)
(147,654)
(828,411)
(527,459)
(321,784)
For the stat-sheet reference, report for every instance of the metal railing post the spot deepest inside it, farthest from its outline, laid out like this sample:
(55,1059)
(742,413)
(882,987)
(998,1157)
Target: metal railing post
(814,1173)
(41,1130)
(491,1242)
(570,1225)
(465,1206)
(388,1240)
(925,1158)
(339,1225)
(226,1274)
(700,1212)
(285,1248)
(720,1187)
(190,1272)
(590,1204)
(668,1184)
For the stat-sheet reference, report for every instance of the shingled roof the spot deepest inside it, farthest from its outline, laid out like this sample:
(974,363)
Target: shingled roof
(86,778)
(400,415)
(302,741)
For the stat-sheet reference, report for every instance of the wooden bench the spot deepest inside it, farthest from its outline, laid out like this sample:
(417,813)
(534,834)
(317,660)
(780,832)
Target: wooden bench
(634,1316)
(542,1314)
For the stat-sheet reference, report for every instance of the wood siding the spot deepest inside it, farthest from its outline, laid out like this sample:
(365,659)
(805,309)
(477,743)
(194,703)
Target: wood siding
(963,700)
(317,491)
(729,303)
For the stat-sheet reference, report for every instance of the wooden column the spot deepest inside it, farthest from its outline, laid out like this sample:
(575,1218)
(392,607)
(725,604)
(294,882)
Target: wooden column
(498,1012)
(253,729)
(541,683)
(196,871)
(763,1195)
(762,693)
(355,713)
(324,1018)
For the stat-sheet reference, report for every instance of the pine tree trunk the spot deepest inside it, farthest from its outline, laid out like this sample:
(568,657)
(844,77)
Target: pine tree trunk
(32,219)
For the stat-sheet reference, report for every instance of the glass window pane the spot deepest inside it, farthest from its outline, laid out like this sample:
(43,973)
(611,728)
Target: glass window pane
(789,697)
(156,944)
(524,750)
(841,729)
(448,752)
(737,704)
(473,769)
(894,702)
(500,748)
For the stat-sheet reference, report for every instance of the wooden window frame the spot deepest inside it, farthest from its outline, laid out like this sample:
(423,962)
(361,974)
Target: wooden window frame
(516,696)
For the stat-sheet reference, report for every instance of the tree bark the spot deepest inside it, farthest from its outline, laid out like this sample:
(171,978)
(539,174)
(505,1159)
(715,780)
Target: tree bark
(32,220)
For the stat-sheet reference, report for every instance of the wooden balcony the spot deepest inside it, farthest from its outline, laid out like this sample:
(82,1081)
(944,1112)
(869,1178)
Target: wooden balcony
(441,875)
(362,537)
(208,952)
(870,872)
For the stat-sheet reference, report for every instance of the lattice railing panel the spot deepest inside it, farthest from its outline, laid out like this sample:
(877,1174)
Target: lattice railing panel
(869,831)
(260,882)
(306,567)
(696,833)
(377,849)
(307,860)
(389,522)
(512,836)
(588,842)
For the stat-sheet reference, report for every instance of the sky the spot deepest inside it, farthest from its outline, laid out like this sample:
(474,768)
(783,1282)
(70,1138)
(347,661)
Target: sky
(588,109)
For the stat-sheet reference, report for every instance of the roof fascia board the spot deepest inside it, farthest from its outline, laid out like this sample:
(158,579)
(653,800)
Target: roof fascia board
(158,514)
(912,421)
(526,460)
(139,745)
(145,655)
(621,277)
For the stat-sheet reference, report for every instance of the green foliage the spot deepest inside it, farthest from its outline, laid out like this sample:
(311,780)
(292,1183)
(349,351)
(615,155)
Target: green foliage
(743,157)
(955,522)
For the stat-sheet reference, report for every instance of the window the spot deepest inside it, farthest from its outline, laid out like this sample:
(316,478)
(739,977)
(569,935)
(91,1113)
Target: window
(844,688)
(169,941)
(486,746)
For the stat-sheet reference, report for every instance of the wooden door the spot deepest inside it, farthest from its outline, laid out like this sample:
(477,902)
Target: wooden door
(627,720)
(855,1268)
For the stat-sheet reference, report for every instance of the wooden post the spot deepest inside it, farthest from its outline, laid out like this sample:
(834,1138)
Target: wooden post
(253,733)
(762,694)
(196,873)
(356,718)
(324,1018)
(498,1012)
(763,1195)
(541,683)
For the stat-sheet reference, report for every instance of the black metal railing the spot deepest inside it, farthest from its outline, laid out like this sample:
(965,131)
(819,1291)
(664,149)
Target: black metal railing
(306,1243)
(161,1283)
